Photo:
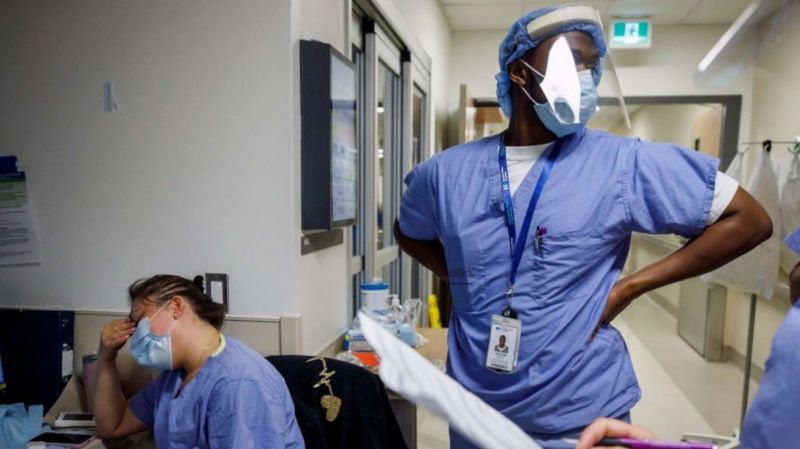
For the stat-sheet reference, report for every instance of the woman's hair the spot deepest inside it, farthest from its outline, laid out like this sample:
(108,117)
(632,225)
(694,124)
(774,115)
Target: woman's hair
(161,288)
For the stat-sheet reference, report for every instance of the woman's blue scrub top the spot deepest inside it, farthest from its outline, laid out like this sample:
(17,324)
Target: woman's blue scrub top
(601,189)
(773,419)
(237,400)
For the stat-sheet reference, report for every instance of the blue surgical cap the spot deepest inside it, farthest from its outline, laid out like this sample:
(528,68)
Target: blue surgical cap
(517,42)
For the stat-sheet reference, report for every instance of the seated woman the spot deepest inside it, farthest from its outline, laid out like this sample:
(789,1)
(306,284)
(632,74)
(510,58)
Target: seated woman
(214,391)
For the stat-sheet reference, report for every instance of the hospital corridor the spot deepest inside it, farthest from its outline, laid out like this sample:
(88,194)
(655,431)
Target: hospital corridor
(400,224)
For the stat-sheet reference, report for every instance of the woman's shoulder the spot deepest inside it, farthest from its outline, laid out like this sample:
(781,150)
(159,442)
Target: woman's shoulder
(239,373)
(239,362)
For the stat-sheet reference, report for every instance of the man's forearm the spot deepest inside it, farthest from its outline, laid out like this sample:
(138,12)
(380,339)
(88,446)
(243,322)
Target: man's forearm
(794,284)
(732,236)
(429,253)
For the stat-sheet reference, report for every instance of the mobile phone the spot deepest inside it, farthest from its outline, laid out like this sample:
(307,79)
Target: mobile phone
(72,440)
(75,419)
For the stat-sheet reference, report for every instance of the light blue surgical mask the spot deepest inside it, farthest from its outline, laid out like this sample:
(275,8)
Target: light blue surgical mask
(559,117)
(150,350)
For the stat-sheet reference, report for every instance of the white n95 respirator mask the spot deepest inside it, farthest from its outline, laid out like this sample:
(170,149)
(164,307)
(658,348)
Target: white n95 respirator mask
(571,94)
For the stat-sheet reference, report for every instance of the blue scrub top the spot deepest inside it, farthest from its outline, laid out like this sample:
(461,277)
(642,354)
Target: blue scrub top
(602,188)
(237,400)
(773,420)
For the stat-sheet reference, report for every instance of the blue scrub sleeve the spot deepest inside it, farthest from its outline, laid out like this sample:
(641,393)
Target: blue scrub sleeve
(418,218)
(793,241)
(143,403)
(772,418)
(243,414)
(668,189)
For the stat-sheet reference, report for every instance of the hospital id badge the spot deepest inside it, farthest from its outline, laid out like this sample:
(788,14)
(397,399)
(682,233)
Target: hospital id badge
(501,356)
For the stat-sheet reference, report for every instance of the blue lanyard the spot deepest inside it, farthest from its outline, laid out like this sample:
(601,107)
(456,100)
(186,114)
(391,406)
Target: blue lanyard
(518,245)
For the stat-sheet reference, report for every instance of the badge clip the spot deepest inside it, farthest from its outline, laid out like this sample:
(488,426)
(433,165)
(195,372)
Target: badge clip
(509,312)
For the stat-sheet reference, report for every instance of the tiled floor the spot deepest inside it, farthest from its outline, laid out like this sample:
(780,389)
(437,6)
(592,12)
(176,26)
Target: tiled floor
(432,432)
(680,391)
(667,368)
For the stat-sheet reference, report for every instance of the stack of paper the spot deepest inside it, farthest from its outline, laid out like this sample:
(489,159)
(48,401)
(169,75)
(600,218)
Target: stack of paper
(408,374)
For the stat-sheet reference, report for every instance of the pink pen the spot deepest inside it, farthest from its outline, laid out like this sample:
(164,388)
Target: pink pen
(642,444)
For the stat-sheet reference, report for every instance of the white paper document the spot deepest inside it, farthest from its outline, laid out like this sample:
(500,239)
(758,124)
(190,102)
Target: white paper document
(408,374)
(19,233)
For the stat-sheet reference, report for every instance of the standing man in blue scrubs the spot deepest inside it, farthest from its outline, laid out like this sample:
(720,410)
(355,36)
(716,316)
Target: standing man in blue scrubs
(531,228)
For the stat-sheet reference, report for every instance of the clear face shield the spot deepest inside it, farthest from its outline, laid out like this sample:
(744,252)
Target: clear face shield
(612,114)
(568,72)
(561,85)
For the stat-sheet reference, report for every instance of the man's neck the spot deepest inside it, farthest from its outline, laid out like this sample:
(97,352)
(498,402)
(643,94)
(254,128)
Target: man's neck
(524,130)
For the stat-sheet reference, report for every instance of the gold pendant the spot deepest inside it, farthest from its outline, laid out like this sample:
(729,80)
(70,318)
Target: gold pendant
(329,402)
(332,406)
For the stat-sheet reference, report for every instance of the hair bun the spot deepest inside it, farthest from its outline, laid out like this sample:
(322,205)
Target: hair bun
(198,282)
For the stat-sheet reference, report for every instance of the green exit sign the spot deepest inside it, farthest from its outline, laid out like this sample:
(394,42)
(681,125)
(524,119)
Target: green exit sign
(631,34)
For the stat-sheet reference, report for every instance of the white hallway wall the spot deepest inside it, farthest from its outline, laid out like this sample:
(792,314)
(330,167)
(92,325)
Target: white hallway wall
(199,169)
(776,95)
(188,176)
(666,123)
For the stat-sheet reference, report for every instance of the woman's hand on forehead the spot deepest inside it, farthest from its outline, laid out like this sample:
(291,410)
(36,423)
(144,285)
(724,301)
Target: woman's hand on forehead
(137,311)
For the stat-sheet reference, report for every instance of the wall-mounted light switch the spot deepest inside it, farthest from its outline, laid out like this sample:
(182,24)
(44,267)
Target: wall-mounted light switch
(217,288)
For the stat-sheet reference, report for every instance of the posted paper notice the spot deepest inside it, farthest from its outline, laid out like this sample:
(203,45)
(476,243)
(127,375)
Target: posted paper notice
(19,234)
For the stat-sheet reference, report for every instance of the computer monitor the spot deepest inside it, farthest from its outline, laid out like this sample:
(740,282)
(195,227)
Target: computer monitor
(329,141)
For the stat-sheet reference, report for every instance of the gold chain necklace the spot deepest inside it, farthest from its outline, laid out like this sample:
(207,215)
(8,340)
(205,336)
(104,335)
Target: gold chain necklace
(330,402)
(203,354)
(200,360)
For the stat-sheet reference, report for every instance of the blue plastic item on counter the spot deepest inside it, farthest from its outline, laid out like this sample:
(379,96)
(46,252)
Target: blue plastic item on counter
(18,425)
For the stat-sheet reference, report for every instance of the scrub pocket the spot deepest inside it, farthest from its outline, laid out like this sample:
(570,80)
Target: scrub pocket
(560,266)
(466,270)
(185,438)
(184,429)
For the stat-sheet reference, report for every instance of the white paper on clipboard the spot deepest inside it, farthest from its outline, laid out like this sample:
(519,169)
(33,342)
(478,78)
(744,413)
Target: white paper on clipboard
(408,374)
